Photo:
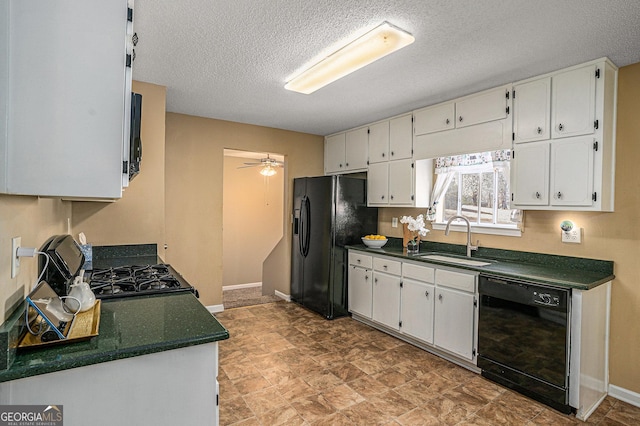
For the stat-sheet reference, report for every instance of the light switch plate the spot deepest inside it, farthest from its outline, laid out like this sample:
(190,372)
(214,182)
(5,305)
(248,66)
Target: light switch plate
(574,236)
(15,260)
(394,222)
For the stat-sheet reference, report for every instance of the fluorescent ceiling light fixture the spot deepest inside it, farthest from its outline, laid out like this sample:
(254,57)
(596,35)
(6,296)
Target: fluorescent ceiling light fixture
(377,43)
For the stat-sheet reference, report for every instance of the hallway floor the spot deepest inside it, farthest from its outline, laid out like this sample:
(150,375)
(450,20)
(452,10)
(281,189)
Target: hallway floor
(284,365)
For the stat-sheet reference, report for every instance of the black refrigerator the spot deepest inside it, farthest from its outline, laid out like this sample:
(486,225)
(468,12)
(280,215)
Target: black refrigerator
(329,212)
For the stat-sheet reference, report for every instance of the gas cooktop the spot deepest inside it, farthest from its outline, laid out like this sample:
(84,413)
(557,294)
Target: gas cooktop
(137,280)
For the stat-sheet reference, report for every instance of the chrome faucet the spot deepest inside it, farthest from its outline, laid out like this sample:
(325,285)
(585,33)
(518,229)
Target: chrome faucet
(469,246)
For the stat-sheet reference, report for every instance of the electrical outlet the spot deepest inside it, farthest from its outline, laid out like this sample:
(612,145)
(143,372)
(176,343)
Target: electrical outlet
(574,236)
(15,260)
(394,222)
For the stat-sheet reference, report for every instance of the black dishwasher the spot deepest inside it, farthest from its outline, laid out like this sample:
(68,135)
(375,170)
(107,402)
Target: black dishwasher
(523,338)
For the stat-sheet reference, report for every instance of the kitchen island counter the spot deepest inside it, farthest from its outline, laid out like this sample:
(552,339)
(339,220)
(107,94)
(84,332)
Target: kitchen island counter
(562,271)
(129,327)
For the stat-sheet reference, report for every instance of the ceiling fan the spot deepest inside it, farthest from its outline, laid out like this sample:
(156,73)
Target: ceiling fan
(268,165)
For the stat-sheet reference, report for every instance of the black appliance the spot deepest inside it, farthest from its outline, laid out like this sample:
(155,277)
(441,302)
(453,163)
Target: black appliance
(126,281)
(329,213)
(523,338)
(65,261)
(135,143)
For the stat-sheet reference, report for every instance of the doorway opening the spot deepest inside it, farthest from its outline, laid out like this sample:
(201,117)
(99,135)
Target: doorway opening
(252,222)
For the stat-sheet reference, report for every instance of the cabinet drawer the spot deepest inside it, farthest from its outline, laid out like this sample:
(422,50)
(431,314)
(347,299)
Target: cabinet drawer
(417,272)
(457,280)
(384,264)
(358,259)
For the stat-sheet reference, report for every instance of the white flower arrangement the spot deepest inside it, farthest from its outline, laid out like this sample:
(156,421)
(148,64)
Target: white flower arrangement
(416,226)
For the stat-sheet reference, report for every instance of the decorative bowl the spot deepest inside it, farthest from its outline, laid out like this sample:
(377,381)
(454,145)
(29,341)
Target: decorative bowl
(374,243)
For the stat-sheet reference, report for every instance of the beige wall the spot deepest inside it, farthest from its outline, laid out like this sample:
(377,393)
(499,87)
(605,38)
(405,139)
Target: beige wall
(253,208)
(138,217)
(194,181)
(610,236)
(34,219)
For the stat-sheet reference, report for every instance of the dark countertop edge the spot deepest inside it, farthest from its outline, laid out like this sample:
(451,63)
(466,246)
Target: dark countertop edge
(83,361)
(397,251)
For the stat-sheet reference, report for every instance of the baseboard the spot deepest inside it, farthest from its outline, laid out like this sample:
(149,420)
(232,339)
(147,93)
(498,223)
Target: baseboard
(239,286)
(283,296)
(214,309)
(625,395)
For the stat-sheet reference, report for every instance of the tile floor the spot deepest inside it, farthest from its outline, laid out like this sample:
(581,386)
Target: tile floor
(284,365)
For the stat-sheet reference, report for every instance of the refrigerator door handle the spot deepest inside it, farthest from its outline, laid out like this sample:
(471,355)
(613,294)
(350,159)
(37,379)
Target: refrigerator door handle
(305,222)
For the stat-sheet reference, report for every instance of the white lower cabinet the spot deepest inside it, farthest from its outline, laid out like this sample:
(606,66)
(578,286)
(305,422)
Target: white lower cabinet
(433,306)
(360,284)
(417,309)
(386,292)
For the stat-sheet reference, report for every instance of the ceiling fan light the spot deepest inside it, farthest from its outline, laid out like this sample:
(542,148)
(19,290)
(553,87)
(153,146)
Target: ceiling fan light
(268,170)
(377,43)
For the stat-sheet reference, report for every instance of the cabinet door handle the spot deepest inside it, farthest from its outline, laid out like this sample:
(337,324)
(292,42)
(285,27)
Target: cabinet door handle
(382,197)
(539,130)
(440,297)
(383,155)
(340,165)
(366,277)
(460,119)
(560,127)
(347,165)
(385,267)
(375,280)
(447,121)
(391,196)
(426,293)
(537,195)
(559,195)
(392,153)
(358,260)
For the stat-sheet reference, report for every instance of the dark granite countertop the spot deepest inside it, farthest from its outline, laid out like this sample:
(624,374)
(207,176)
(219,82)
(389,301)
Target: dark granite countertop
(128,327)
(562,271)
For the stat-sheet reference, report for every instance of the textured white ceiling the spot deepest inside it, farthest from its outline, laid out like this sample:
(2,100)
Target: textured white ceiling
(230,59)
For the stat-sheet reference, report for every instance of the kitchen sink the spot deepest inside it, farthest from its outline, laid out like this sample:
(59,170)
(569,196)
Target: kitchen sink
(456,260)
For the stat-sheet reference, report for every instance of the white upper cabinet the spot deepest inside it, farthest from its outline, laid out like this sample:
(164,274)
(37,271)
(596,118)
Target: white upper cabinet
(532,110)
(401,182)
(482,107)
(378,184)
(473,109)
(573,98)
(530,174)
(572,171)
(379,142)
(346,152)
(580,142)
(66,88)
(334,153)
(401,137)
(435,118)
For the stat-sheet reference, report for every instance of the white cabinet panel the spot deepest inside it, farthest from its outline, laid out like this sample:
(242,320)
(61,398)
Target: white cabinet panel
(68,91)
(385,264)
(334,153)
(378,184)
(434,119)
(360,291)
(572,171)
(530,174)
(401,182)
(573,97)
(482,107)
(356,149)
(532,111)
(379,142)
(417,309)
(454,322)
(401,137)
(386,299)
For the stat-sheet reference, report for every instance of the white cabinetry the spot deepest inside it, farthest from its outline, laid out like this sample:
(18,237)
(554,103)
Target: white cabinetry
(431,307)
(379,142)
(564,139)
(475,123)
(401,137)
(360,284)
(455,313)
(391,183)
(532,110)
(386,292)
(346,152)
(416,308)
(66,86)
